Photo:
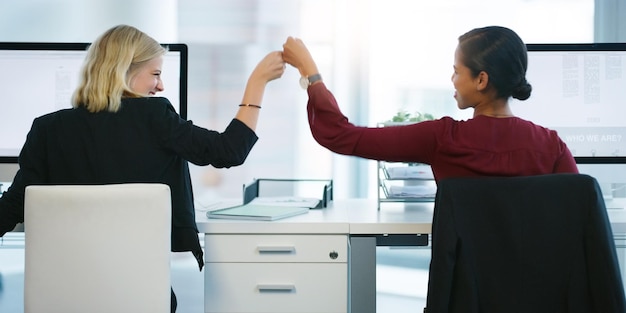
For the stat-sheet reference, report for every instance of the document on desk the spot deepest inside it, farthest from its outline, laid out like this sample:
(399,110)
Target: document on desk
(259,212)
(410,172)
(412,191)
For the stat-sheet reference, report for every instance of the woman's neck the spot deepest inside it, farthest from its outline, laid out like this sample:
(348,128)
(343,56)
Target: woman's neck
(498,108)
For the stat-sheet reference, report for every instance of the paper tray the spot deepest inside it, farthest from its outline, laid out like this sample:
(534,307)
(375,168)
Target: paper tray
(321,189)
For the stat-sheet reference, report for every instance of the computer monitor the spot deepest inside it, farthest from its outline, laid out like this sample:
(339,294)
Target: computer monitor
(578,90)
(38,78)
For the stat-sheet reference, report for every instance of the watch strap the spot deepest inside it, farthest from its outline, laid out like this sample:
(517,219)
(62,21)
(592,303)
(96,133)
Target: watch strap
(314,78)
(306,81)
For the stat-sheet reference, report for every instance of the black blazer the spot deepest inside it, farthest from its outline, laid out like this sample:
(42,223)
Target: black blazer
(146,141)
(523,244)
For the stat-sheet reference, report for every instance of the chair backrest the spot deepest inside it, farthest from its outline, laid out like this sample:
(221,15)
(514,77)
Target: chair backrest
(97,248)
(523,244)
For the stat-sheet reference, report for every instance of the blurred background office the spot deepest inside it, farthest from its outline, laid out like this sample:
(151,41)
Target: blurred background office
(377,56)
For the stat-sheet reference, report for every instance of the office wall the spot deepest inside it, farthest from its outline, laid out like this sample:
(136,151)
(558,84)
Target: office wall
(76,20)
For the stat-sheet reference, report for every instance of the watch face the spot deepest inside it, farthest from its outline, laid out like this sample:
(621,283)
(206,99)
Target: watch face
(304,82)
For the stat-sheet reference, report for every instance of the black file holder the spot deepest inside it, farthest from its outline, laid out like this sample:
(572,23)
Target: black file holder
(272,187)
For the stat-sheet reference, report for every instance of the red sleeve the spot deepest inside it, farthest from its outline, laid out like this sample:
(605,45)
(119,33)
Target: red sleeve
(331,129)
(566,162)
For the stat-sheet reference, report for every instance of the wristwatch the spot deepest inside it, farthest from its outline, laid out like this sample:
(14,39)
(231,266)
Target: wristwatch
(306,81)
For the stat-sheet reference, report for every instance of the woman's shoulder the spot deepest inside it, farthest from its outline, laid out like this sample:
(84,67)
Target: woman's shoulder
(532,129)
(534,126)
(149,106)
(54,115)
(511,121)
(505,125)
(148,103)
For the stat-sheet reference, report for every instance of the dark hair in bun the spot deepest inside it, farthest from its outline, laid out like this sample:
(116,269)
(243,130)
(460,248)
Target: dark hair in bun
(502,54)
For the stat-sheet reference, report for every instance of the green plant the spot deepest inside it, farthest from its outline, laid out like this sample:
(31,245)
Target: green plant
(404,116)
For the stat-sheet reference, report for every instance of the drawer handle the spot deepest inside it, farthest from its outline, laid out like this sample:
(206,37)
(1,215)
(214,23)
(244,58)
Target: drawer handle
(276,249)
(276,287)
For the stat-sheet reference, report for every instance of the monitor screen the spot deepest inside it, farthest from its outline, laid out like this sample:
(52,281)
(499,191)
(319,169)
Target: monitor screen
(39,78)
(578,90)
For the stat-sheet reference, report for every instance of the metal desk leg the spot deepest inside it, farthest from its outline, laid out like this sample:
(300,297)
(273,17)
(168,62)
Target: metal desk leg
(362,280)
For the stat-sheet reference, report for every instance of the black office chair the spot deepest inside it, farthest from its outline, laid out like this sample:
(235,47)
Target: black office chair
(523,244)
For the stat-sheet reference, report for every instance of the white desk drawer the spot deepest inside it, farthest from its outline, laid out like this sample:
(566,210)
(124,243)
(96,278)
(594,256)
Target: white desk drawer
(276,248)
(276,287)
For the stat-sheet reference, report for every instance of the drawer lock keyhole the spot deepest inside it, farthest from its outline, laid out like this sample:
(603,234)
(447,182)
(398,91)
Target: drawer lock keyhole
(333,255)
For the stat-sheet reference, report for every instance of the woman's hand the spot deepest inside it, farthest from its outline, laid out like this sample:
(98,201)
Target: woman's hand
(269,68)
(297,55)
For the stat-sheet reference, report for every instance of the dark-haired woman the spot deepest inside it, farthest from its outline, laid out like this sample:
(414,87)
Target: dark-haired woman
(489,68)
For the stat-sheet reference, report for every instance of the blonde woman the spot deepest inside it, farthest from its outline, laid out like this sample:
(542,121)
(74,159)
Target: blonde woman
(119,131)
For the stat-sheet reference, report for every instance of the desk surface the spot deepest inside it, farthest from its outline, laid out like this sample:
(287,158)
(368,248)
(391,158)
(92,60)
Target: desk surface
(349,216)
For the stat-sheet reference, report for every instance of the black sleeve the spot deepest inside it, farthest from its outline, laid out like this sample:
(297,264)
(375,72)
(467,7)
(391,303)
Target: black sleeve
(201,146)
(32,171)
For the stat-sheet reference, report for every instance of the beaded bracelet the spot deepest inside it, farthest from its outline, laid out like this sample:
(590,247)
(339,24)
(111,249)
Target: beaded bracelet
(250,105)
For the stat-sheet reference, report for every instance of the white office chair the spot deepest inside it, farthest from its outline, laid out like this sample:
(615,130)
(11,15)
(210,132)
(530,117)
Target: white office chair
(98,248)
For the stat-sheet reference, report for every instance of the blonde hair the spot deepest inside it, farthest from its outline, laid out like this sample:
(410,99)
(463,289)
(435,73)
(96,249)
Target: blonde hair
(112,61)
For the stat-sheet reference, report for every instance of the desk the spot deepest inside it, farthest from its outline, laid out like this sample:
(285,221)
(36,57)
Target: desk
(366,227)
(360,220)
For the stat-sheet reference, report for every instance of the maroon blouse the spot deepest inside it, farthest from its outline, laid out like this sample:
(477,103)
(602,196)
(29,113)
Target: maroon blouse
(481,146)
